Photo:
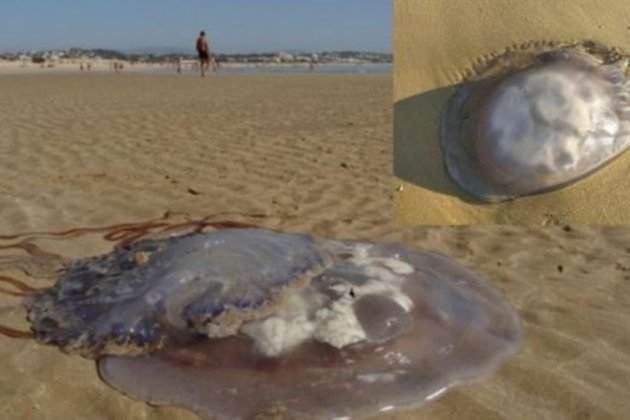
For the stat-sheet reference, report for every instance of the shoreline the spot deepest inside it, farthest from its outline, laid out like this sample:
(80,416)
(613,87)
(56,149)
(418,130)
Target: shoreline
(106,67)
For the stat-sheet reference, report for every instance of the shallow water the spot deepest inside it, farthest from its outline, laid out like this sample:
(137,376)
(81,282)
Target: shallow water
(369,68)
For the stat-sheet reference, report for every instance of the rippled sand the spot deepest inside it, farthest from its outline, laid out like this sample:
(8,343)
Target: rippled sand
(99,149)
(314,155)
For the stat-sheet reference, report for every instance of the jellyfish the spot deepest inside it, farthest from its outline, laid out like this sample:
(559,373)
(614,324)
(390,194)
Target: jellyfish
(232,320)
(537,118)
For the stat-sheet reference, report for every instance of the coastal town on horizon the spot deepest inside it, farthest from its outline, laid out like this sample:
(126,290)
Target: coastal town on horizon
(61,56)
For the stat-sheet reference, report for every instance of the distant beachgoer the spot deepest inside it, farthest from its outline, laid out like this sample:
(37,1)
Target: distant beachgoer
(179,65)
(81,66)
(313,62)
(203,49)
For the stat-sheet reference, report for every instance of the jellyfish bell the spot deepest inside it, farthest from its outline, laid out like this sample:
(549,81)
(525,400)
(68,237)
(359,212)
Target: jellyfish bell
(536,119)
(237,322)
(131,300)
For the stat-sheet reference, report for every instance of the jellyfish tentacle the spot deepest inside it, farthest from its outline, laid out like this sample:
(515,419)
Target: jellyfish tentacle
(30,248)
(13,333)
(230,224)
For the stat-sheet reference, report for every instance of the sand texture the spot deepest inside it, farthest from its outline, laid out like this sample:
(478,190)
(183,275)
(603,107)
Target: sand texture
(439,43)
(313,154)
(98,150)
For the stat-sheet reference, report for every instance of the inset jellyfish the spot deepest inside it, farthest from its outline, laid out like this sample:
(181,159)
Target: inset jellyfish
(231,322)
(537,118)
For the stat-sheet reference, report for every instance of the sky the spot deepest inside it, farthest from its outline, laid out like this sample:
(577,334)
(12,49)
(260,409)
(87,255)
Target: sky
(234,26)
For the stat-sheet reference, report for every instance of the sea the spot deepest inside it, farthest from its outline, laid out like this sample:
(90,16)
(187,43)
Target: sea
(364,68)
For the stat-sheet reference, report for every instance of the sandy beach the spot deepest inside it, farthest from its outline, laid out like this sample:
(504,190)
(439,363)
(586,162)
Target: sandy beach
(313,154)
(98,149)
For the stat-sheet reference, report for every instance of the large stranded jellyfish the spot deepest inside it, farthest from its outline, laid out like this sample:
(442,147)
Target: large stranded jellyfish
(537,118)
(237,322)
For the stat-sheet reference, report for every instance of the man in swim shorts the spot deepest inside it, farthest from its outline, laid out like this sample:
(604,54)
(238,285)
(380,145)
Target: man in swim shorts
(203,49)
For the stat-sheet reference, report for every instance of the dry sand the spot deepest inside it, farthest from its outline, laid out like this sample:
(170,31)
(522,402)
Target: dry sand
(99,149)
(437,43)
(314,153)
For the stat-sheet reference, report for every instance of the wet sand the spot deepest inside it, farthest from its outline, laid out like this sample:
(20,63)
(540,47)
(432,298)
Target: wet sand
(314,155)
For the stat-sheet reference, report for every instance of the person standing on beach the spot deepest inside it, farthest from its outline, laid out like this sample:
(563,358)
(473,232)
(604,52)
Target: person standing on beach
(312,62)
(179,65)
(203,49)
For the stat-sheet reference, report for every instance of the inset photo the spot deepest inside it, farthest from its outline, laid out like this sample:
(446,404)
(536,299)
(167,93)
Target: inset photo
(514,113)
